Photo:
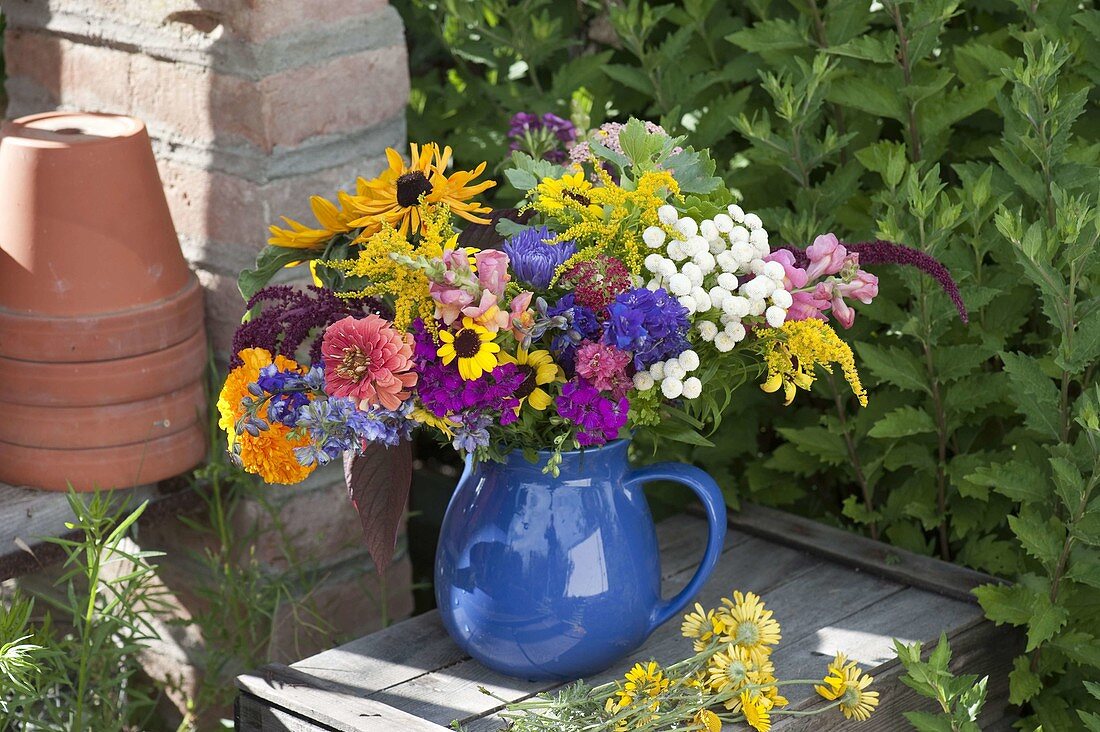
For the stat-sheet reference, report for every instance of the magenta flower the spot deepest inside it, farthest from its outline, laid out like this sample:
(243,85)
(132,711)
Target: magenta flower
(605,367)
(827,256)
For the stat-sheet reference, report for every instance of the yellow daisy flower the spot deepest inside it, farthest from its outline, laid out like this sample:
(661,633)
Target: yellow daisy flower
(702,626)
(748,625)
(848,684)
(473,346)
(708,721)
(332,221)
(755,708)
(735,668)
(539,370)
(643,680)
(443,424)
(394,196)
(570,192)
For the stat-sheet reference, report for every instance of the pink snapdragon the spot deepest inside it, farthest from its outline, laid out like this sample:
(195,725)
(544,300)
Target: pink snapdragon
(831,274)
(794,277)
(827,256)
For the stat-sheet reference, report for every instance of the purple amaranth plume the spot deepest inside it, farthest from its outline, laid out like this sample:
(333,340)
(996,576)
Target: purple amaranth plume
(887,252)
(288,316)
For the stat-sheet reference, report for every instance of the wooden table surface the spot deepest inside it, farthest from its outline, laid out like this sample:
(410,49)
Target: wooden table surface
(830,590)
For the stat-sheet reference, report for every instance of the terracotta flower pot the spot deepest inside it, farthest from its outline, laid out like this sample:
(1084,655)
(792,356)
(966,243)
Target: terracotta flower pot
(102,348)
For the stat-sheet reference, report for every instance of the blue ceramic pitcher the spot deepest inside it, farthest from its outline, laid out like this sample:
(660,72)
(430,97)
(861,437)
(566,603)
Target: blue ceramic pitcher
(558,578)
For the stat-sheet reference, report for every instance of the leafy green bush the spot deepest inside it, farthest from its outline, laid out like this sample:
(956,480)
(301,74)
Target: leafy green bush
(967,131)
(960,698)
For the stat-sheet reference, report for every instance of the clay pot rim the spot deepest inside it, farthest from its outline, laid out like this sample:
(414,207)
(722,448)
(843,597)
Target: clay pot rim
(20,132)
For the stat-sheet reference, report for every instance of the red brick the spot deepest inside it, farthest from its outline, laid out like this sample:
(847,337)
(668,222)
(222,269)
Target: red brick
(260,20)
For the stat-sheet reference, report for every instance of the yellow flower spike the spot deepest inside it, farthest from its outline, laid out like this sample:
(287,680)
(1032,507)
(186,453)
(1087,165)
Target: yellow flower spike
(792,351)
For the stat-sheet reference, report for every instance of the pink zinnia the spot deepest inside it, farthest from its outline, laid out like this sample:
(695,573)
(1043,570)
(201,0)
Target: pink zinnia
(604,366)
(369,361)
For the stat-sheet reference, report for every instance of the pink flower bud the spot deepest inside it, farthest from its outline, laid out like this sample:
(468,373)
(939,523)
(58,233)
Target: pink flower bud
(827,256)
(492,270)
(794,277)
(863,288)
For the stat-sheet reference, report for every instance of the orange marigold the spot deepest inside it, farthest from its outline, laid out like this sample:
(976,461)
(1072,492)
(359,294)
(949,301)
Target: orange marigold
(269,455)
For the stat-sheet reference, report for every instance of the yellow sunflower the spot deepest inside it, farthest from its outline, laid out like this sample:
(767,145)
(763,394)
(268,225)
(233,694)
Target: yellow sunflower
(394,196)
(569,192)
(748,625)
(473,346)
(845,682)
(332,221)
(539,369)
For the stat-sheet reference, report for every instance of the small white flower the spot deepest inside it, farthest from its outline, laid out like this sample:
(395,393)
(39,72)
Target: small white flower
(653,285)
(739,233)
(718,295)
(702,300)
(728,281)
(754,289)
(757,307)
(689,359)
(654,237)
(756,266)
(758,236)
(679,284)
(657,371)
(761,250)
(767,283)
(696,245)
(693,272)
(707,330)
(674,370)
(672,388)
(676,250)
(687,226)
(692,387)
(723,223)
(752,221)
(643,381)
(689,303)
(668,267)
(735,212)
(742,254)
(708,230)
(724,342)
(782,298)
(717,246)
(653,262)
(775,316)
(736,331)
(728,260)
(774,270)
(705,261)
(667,215)
(736,306)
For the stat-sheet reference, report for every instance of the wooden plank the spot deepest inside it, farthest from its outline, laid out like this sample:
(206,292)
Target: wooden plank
(251,714)
(28,515)
(420,645)
(859,551)
(332,706)
(978,647)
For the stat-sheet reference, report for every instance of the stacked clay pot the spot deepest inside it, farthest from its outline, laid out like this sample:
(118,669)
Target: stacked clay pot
(102,347)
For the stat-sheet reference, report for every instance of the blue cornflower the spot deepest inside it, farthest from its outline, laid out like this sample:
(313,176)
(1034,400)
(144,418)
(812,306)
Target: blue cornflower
(535,257)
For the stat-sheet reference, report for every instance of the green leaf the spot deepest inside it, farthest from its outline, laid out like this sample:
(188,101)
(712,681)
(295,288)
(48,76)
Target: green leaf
(928,722)
(268,263)
(1069,483)
(1088,529)
(1041,539)
(629,76)
(770,35)
(817,442)
(1084,566)
(1080,647)
(1085,348)
(1023,683)
(895,366)
(1017,479)
(1010,604)
(521,180)
(1046,620)
(876,49)
(903,422)
(1035,394)
(868,94)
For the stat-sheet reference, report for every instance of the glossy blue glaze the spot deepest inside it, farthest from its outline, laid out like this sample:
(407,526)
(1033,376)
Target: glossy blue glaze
(558,578)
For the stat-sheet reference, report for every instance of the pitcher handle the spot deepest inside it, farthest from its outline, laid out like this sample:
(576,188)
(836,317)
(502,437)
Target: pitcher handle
(711,496)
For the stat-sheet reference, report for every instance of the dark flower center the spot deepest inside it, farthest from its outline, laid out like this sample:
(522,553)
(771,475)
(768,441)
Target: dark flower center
(410,186)
(354,364)
(578,197)
(467,343)
(529,384)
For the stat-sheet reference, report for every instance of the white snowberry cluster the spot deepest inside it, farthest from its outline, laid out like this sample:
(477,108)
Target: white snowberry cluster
(717,265)
(673,377)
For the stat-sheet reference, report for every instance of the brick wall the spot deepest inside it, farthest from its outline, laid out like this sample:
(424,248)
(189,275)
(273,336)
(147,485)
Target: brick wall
(252,106)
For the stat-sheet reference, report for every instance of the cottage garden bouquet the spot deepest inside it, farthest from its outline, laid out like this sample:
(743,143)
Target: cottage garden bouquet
(629,293)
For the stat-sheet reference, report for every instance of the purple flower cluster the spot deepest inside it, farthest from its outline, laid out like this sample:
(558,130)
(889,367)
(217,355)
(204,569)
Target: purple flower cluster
(651,324)
(580,324)
(543,136)
(335,425)
(288,390)
(598,417)
(535,257)
(289,316)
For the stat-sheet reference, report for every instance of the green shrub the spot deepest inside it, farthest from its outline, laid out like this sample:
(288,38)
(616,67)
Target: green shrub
(965,130)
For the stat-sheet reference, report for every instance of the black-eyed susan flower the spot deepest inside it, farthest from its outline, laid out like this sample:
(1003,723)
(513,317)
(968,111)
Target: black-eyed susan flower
(748,624)
(539,369)
(473,346)
(394,197)
(331,220)
(570,192)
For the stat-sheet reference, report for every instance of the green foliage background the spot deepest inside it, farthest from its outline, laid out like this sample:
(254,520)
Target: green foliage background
(967,130)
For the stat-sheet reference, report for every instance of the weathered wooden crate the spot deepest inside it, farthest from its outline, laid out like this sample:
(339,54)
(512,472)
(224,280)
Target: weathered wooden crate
(830,590)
